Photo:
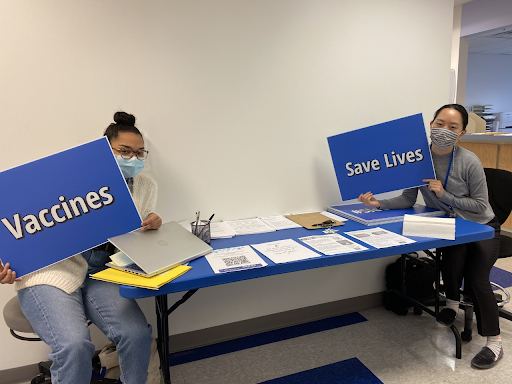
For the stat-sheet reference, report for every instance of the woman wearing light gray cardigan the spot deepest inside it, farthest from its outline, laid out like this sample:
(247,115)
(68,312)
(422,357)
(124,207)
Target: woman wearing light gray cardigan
(461,191)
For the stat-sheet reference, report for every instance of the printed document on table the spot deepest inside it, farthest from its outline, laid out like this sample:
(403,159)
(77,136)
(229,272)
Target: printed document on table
(221,231)
(248,226)
(380,238)
(234,259)
(333,244)
(284,251)
(279,222)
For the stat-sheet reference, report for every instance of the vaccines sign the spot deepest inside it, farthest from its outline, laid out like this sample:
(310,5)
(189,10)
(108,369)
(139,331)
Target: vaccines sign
(61,205)
(382,158)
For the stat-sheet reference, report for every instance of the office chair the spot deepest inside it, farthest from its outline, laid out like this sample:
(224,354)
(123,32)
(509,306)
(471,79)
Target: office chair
(499,185)
(17,322)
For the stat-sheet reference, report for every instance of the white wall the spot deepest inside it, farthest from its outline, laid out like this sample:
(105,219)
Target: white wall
(483,15)
(454,64)
(236,98)
(489,81)
(462,72)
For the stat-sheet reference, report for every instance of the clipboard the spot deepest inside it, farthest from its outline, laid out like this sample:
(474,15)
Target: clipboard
(308,220)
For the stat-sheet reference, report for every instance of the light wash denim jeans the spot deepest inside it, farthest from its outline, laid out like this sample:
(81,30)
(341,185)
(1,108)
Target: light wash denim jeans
(60,321)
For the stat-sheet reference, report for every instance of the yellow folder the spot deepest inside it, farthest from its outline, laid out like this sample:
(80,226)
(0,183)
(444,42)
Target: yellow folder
(120,277)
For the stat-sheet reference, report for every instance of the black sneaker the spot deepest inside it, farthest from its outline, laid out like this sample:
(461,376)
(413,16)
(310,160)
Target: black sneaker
(486,359)
(446,317)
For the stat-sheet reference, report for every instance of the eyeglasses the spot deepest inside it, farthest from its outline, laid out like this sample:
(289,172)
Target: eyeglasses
(127,153)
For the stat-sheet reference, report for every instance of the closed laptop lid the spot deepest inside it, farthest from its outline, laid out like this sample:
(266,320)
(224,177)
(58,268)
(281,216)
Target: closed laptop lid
(161,249)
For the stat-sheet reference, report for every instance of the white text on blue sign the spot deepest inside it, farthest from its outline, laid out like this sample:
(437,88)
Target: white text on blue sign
(58,213)
(392,160)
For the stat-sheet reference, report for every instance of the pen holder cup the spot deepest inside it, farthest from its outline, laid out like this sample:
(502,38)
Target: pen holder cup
(202,230)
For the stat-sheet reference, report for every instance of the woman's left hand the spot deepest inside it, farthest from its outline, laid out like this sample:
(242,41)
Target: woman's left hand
(435,186)
(153,221)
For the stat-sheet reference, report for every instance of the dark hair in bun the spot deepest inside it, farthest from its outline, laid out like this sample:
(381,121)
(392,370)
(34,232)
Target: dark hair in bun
(124,122)
(123,118)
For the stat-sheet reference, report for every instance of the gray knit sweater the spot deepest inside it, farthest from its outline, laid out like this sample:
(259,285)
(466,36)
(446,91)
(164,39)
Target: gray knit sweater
(69,274)
(465,192)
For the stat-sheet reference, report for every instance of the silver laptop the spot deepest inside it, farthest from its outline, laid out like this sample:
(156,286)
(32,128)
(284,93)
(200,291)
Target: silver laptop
(151,252)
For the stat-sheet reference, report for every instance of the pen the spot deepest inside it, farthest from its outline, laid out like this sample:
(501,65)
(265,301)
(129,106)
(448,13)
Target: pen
(325,223)
(197,222)
(204,226)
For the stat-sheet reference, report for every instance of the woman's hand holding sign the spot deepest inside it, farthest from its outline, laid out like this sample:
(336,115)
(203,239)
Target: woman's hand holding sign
(153,221)
(368,199)
(6,275)
(435,186)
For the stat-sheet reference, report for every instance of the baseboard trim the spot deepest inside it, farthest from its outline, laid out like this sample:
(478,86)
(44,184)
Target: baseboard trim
(271,322)
(19,375)
(235,330)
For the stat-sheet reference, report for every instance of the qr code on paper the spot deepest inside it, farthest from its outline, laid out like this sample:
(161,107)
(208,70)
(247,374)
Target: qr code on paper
(237,260)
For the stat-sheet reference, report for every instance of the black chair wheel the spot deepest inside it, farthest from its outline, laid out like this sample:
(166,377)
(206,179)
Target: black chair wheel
(418,311)
(466,336)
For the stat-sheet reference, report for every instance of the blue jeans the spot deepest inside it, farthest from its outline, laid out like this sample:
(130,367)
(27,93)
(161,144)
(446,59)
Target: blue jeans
(96,258)
(60,321)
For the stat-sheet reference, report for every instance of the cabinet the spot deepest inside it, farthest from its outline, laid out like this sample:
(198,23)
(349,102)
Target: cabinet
(494,151)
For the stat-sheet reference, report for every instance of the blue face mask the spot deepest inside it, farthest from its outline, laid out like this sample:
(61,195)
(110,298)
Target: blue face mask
(130,167)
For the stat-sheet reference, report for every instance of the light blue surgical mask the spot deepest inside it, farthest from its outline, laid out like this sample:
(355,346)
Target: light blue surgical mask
(130,167)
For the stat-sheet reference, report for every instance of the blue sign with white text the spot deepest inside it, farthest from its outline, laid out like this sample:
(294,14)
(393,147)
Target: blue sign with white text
(61,205)
(382,158)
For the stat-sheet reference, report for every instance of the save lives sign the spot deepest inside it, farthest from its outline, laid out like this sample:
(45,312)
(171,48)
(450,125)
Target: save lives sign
(61,205)
(382,158)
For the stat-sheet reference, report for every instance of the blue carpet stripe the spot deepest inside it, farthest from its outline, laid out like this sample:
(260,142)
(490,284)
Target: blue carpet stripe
(264,338)
(501,277)
(350,371)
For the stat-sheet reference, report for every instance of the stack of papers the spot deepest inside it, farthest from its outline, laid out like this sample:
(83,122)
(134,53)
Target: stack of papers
(284,251)
(435,227)
(373,216)
(380,238)
(221,230)
(248,226)
(333,244)
(120,277)
(279,222)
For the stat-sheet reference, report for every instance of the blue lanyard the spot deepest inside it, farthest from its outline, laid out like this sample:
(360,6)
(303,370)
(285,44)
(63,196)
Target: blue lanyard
(452,214)
(449,167)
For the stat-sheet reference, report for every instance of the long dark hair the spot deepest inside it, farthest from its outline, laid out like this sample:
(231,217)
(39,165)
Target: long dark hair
(459,108)
(124,122)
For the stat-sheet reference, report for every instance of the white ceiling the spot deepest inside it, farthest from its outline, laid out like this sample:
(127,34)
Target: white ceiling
(493,42)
